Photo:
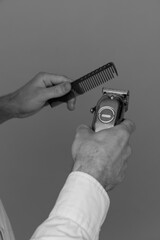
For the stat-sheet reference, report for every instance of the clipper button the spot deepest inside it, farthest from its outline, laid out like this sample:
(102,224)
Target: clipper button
(106,114)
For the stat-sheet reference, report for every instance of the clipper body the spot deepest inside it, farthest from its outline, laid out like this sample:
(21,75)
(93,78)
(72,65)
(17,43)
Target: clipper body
(110,109)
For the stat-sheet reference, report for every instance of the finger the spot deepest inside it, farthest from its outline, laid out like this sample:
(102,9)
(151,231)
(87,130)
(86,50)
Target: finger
(57,91)
(71,104)
(124,173)
(128,125)
(127,153)
(125,167)
(50,79)
(84,130)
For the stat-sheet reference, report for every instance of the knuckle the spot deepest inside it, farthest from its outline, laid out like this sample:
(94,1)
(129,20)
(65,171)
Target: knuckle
(124,133)
(129,126)
(79,131)
(82,132)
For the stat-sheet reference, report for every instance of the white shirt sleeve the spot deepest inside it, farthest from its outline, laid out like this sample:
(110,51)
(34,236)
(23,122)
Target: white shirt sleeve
(79,212)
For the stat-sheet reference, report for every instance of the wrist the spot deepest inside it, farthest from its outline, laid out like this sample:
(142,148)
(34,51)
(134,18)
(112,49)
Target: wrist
(7,107)
(92,172)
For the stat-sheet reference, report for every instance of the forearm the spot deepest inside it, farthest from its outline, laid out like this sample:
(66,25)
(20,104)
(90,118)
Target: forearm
(7,107)
(79,212)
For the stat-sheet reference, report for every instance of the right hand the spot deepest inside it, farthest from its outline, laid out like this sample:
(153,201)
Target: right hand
(103,154)
(34,95)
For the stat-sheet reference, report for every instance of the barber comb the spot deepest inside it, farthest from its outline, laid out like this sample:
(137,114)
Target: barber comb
(87,82)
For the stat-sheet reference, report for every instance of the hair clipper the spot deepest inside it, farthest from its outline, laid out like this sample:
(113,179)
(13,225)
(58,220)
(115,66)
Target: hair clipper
(110,109)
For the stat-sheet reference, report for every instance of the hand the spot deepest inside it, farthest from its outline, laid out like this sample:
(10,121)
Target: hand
(32,97)
(103,154)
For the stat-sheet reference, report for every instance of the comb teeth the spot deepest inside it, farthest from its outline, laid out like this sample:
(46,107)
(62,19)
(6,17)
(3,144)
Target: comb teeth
(94,79)
(87,82)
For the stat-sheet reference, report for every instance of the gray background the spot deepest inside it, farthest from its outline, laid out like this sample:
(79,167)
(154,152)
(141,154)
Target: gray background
(72,38)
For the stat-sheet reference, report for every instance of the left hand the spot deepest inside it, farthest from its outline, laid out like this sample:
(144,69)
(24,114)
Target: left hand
(33,96)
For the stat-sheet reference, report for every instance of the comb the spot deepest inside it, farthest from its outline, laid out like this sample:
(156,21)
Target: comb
(87,82)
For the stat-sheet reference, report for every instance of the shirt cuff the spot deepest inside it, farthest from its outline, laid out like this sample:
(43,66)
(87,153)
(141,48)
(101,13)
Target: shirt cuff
(84,201)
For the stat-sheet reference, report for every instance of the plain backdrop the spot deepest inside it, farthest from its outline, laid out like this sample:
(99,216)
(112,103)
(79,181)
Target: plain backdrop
(72,38)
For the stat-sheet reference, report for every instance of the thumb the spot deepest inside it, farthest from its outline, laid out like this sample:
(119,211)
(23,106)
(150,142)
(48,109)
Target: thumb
(57,90)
